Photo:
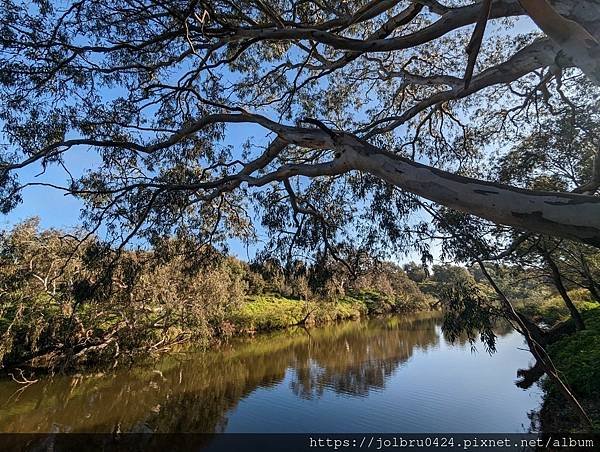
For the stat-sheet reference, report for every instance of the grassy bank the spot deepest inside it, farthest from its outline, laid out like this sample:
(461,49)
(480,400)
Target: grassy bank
(264,313)
(577,357)
(271,312)
(69,301)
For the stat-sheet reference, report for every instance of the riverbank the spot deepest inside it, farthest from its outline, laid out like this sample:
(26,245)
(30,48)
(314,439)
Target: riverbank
(390,373)
(70,302)
(577,357)
(273,312)
(255,314)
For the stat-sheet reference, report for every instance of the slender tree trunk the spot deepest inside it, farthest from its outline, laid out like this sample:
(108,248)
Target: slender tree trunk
(538,351)
(593,288)
(580,325)
(592,285)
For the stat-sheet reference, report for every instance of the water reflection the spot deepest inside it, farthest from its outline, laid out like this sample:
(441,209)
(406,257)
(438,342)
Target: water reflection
(358,359)
(199,392)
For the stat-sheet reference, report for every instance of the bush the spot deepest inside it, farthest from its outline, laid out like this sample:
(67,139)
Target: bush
(552,310)
(67,302)
(578,356)
(387,288)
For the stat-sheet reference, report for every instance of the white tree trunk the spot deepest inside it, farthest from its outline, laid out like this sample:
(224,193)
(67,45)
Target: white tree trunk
(560,214)
(569,33)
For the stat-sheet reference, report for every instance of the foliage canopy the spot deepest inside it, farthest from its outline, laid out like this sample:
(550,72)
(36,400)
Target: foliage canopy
(332,121)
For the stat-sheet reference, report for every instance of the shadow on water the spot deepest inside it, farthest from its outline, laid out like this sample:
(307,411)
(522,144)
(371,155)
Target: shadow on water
(201,391)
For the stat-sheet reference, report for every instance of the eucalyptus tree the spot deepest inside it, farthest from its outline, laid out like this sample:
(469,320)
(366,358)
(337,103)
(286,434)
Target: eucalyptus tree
(332,120)
(557,156)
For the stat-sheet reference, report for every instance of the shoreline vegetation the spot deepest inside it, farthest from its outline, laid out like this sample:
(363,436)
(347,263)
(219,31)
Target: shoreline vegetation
(577,357)
(62,311)
(70,303)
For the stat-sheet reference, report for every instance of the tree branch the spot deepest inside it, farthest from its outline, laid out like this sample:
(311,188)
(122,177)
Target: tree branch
(574,39)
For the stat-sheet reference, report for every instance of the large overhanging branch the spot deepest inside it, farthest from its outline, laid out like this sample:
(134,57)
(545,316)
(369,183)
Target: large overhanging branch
(575,40)
(574,216)
(453,19)
(569,215)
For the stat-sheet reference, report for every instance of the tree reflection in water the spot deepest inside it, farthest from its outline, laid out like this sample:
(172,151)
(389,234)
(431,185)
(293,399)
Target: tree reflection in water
(362,358)
(193,392)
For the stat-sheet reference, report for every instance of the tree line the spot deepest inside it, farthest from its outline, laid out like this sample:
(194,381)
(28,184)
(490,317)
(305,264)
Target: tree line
(68,300)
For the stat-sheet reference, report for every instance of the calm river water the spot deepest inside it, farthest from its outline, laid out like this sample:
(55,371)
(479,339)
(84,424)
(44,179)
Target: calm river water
(395,374)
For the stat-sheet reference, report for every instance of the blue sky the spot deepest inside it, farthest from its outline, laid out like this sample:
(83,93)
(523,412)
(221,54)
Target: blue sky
(56,210)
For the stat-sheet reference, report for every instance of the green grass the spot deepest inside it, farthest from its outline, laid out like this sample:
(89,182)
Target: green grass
(262,313)
(577,357)
(272,312)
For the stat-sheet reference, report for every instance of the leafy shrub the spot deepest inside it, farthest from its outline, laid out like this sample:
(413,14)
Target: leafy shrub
(66,301)
(387,288)
(578,356)
(552,309)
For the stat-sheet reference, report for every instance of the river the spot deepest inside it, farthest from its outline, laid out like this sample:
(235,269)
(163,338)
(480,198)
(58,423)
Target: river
(394,374)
